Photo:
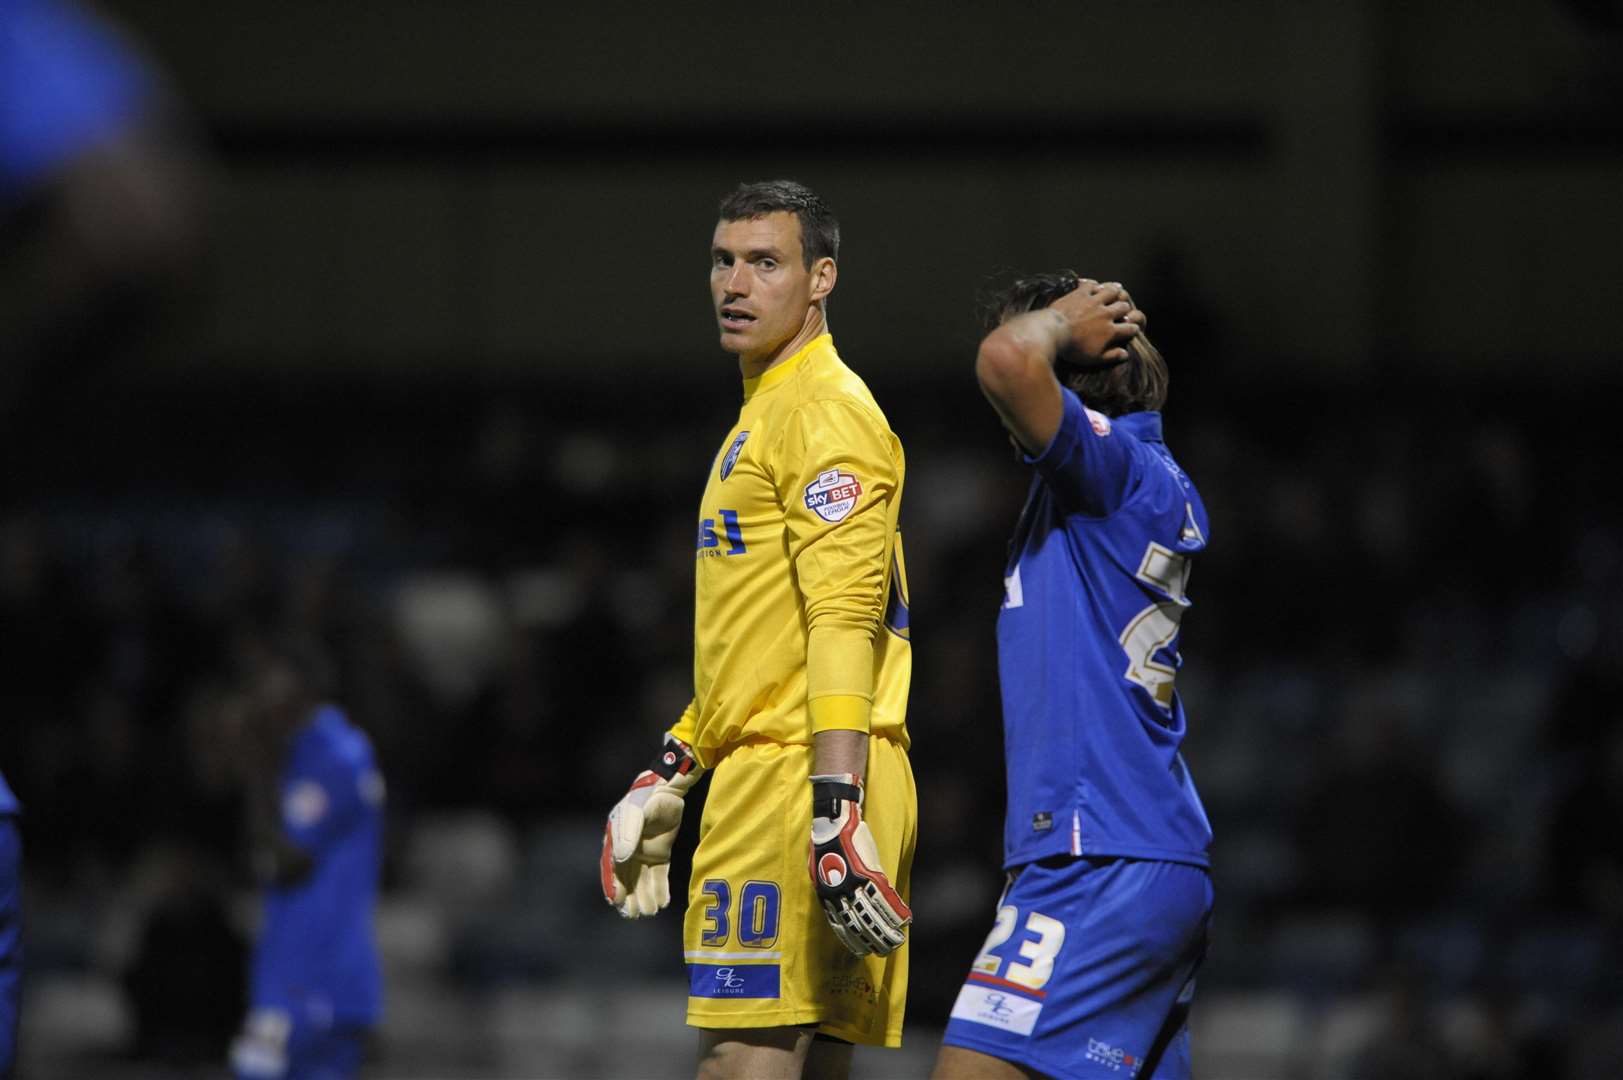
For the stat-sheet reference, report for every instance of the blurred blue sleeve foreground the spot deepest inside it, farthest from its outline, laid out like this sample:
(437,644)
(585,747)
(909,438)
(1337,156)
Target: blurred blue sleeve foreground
(102,201)
(66,84)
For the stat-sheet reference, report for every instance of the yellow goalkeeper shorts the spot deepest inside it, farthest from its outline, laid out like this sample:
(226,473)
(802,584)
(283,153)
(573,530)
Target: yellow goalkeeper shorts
(758,946)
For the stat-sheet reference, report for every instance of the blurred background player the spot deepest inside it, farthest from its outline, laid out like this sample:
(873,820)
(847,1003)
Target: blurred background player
(315,812)
(11,943)
(800,684)
(1089,968)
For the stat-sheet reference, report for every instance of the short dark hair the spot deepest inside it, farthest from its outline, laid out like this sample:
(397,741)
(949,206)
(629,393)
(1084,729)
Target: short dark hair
(819,231)
(1138,384)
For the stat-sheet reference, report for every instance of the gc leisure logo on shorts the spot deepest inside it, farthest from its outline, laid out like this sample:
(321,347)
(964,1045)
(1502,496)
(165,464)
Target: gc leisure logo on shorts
(832,495)
(996,1007)
(733,980)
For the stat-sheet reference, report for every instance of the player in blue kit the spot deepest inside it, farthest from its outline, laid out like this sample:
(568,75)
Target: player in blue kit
(316,987)
(1089,968)
(11,943)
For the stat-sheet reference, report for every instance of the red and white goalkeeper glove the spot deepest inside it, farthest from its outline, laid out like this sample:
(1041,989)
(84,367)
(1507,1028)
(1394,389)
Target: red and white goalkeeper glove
(637,840)
(868,915)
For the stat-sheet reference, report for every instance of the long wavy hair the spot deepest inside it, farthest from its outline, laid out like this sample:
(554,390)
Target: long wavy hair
(1137,384)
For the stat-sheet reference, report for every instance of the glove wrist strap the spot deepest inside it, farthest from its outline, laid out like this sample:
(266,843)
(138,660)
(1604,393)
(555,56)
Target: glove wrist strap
(673,760)
(831,792)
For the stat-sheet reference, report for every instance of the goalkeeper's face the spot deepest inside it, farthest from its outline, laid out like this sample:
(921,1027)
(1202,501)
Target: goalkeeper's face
(760,287)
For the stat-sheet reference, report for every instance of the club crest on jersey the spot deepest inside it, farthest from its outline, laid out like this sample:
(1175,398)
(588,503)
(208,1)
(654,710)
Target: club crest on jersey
(833,494)
(1099,421)
(733,451)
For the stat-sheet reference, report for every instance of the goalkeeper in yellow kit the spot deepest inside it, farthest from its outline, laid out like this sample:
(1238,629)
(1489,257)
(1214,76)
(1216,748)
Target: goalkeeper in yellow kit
(795,934)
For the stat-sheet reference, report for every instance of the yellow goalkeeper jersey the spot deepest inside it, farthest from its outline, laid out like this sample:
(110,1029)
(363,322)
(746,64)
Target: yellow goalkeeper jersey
(800,598)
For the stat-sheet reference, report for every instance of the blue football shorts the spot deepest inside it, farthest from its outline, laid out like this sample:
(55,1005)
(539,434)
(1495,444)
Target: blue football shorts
(1089,969)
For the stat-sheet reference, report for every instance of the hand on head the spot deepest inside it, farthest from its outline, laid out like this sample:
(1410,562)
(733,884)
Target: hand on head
(1102,320)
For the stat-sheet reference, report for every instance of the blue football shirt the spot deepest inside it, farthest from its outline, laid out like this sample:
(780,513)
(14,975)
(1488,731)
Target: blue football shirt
(8,801)
(1088,648)
(317,957)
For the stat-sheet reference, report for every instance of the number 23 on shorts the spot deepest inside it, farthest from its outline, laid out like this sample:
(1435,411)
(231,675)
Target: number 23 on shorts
(1032,963)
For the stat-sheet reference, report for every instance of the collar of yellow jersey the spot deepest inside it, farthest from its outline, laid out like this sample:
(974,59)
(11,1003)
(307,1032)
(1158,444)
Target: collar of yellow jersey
(780,371)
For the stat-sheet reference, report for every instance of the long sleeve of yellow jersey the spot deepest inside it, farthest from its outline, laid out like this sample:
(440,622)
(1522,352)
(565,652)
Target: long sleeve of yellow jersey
(832,451)
(686,727)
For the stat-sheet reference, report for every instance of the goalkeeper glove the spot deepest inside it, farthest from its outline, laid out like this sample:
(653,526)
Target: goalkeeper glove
(867,914)
(637,840)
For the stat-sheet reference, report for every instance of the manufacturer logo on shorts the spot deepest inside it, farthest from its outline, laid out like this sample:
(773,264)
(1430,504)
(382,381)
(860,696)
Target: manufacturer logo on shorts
(858,985)
(1113,1057)
(832,495)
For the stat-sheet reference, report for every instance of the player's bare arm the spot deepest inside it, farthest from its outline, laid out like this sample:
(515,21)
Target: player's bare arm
(1015,364)
(841,752)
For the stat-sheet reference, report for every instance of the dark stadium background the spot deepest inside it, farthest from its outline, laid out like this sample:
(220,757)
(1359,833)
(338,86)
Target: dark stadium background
(441,388)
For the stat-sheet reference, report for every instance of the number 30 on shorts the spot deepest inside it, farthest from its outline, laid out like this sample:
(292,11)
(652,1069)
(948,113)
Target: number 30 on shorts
(1033,964)
(757,913)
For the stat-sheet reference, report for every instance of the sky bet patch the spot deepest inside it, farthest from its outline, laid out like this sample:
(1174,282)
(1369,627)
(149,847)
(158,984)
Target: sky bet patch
(733,981)
(833,494)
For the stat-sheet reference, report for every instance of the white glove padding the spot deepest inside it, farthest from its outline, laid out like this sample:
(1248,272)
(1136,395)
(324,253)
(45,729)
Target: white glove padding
(636,859)
(866,913)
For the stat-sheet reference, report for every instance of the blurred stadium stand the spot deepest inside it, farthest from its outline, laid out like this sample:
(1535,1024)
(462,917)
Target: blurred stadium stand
(1393,755)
